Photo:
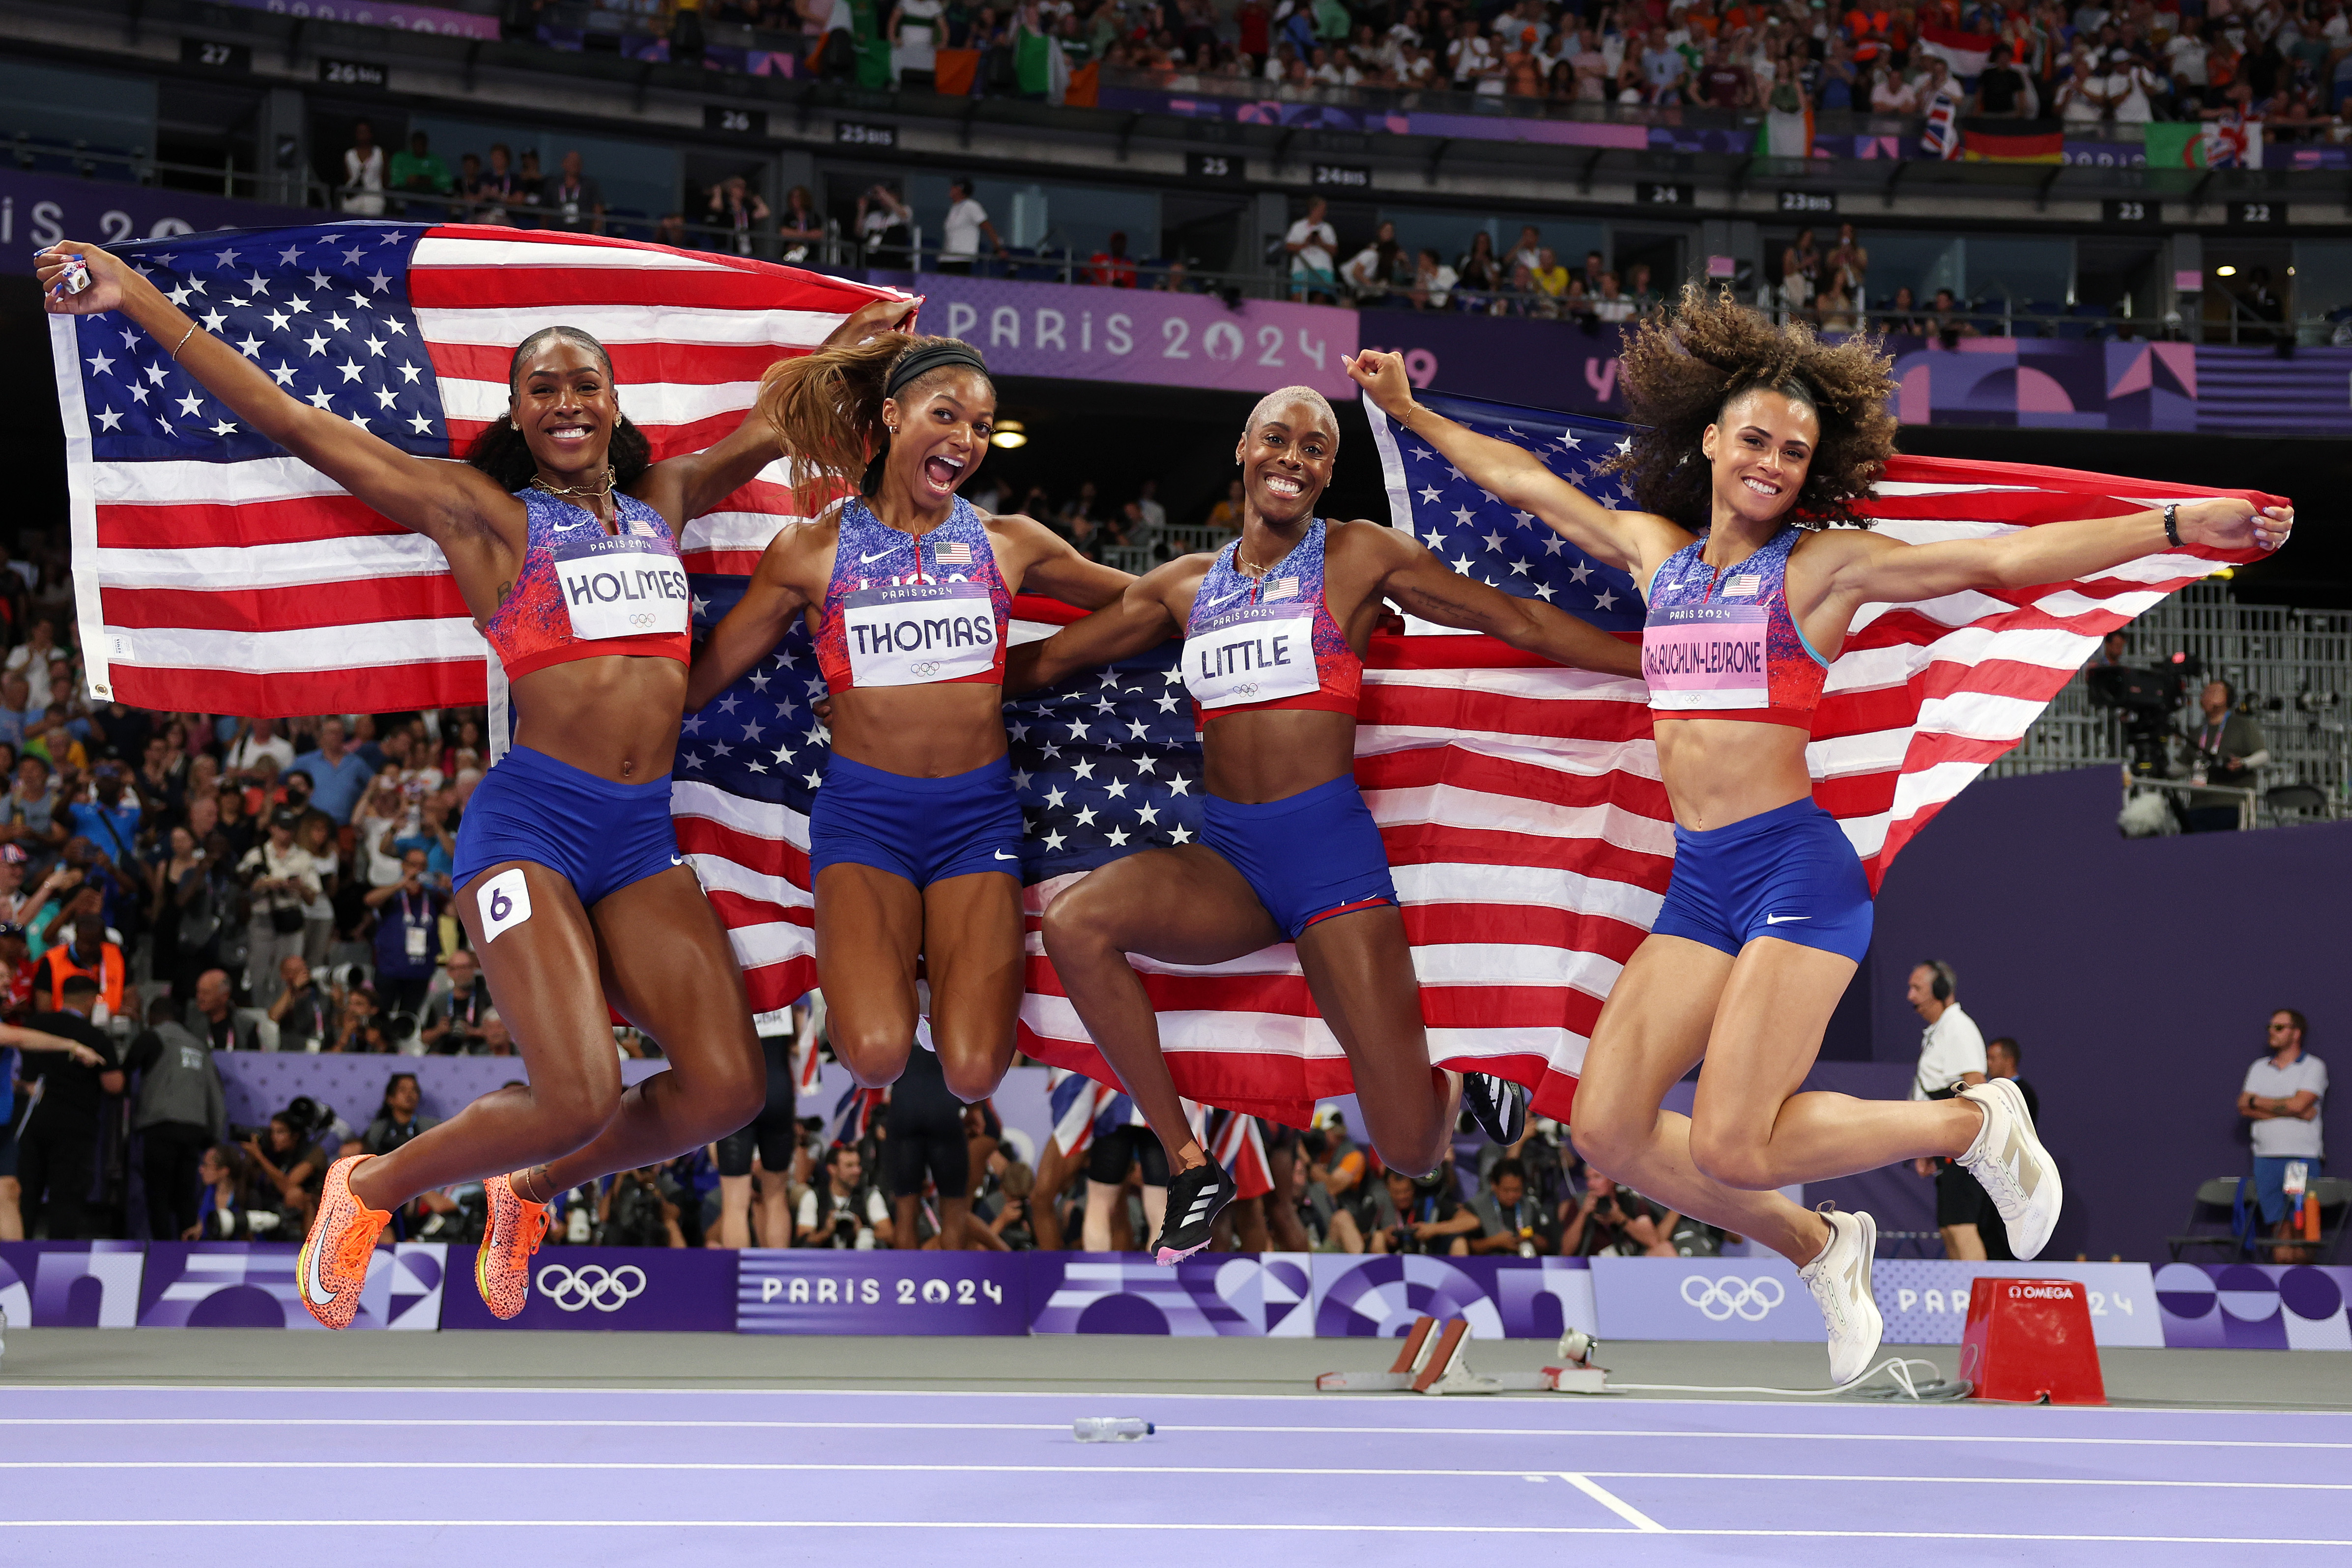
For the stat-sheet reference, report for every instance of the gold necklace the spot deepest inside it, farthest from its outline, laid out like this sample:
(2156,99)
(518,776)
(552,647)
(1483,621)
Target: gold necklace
(566,492)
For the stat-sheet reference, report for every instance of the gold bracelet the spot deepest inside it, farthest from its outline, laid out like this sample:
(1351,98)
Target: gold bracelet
(183,339)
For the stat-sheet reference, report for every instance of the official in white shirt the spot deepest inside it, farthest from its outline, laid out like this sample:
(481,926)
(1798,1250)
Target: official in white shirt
(1951,1052)
(2282,1097)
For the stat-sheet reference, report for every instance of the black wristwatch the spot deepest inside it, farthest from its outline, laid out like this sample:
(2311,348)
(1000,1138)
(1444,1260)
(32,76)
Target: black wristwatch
(2172,523)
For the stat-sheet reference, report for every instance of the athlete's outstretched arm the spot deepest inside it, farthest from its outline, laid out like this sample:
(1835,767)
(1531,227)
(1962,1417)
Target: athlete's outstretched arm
(1515,477)
(445,502)
(1427,586)
(1138,619)
(1873,570)
(1056,570)
(687,485)
(749,631)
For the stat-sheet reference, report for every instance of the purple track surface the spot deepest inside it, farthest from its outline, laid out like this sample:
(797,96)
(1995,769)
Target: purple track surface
(366,1476)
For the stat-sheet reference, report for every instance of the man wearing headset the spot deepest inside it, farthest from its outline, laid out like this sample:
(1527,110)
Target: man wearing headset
(1951,1053)
(2223,746)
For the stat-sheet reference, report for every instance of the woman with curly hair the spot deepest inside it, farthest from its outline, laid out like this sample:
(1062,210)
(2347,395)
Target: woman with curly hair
(1760,441)
(567,871)
(915,838)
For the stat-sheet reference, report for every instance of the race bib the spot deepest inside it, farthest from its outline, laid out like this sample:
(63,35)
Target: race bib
(1706,657)
(1252,656)
(919,633)
(620,588)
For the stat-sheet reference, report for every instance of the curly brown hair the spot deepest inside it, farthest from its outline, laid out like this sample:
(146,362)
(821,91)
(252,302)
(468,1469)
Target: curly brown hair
(1682,367)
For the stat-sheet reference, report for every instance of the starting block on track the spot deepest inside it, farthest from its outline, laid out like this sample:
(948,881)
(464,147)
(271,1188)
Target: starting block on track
(2030,1340)
(1431,1360)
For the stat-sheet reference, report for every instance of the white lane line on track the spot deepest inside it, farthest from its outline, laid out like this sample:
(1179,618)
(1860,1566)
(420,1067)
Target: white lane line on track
(1614,1434)
(1065,1526)
(1613,1503)
(1451,1472)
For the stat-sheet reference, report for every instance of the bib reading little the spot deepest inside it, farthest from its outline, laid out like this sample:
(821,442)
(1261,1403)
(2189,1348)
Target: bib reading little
(1252,655)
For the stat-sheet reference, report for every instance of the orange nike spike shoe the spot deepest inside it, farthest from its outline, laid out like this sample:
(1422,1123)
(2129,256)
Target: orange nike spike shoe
(333,1263)
(502,1265)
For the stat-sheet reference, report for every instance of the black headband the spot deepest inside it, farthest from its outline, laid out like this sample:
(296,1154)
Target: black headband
(932,357)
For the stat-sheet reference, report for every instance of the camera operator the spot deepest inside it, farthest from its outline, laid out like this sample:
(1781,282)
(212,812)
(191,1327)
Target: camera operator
(1511,1222)
(2223,748)
(844,1210)
(1421,1216)
(1612,1221)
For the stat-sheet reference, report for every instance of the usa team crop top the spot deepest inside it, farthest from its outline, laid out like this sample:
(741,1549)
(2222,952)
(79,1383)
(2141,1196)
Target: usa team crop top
(906,609)
(1270,642)
(584,593)
(1722,644)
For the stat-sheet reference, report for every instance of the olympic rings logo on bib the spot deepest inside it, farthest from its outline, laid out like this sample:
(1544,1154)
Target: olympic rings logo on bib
(925,670)
(1248,689)
(642,621)
(590,1285)
(1717,1300)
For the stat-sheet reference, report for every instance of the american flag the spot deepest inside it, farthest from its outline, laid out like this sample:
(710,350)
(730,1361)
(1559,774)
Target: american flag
(216,573)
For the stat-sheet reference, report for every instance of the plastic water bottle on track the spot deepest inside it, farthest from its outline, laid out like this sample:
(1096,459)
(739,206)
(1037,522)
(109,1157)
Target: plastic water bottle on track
(1110,1429)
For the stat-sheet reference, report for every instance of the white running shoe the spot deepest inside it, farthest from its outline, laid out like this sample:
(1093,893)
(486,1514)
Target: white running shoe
(1839,1280)
(2009,1160)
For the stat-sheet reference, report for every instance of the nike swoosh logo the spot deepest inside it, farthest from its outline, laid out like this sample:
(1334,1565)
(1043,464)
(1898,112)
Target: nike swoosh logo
(878,555)
(567,527)
(320,1295)
(1003,856)
(1784,919)
(1228,599)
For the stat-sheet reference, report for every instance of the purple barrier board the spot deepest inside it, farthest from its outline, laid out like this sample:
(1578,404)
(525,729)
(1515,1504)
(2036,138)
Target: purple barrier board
(1138,335)
(257,1083)
(667,1289)
(819,1290)
(254,1285)
(368,13)
(1253,1295)
(2254,1306)
(1543,364)
(1925,1299)
(1703,1299)
(38,210)
(71,1284)
(1500,1298)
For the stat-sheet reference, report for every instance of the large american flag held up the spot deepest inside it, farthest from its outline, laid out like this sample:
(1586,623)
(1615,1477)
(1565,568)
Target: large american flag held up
(1520,803)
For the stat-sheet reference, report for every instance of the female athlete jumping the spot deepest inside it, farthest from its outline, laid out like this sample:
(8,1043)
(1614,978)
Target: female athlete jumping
(1760,437)
(915,838)
(567,871)
(1275,626)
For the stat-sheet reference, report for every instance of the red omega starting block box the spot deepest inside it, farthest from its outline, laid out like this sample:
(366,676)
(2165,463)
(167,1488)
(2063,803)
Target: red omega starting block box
(2030,1340)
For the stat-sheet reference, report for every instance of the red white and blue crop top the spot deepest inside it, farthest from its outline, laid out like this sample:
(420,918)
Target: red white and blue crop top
(1268,642)
(584,593)
(1722,644)
(908,610)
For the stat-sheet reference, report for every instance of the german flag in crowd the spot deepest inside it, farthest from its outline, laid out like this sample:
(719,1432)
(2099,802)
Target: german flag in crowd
(1986,138)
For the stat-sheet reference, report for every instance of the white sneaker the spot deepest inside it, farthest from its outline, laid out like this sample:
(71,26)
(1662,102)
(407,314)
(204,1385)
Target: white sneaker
(1839,1280)
(2009,1160)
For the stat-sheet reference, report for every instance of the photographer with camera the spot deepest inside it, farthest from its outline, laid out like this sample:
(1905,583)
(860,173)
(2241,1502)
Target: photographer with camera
(1510,1222)
(407,934)
(457,1007)
(2223,747)
(844,1210)
(1612,1221)
(634,1213)
(285,880)
(1408,1216)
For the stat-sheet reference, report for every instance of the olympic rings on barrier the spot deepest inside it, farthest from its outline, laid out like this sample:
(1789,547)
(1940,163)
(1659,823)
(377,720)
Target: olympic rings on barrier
(1719,1299)
(573,1290)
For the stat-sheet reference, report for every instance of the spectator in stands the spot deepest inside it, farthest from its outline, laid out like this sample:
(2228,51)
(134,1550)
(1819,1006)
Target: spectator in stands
(496,190)
(57,1137)
(304,1013)
(363,182)
(1421,1217)
(1371,270)
(531,187)
(1433,282)
(884,226)
(800,228)
(289,1166)
(2282,1097)
(1611,304)
(2003,90)
(1509,1221)
(181,1113)
(1951,1053)
(419,171)
(734,207)
(339,775)
(1946,320)
(1663,67)
(1111,268)
(1311,244)
(407,934)
(18,907)
(88,952)
(1903,315)
(283,880)
(225,1199)
(1479,269)
(844,1210)
(496,1039)
(1612,1221)
(256,738)
(34,821)
(2223,747)
(213,1015)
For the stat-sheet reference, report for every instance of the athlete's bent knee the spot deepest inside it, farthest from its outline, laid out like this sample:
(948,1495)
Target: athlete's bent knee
(1733,1159)
(1416,1145)
(972,1077)
(1074,928)
(574,1114)
(874,1054)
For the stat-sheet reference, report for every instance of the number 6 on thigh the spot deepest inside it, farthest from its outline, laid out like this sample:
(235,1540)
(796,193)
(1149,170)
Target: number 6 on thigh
(503,902)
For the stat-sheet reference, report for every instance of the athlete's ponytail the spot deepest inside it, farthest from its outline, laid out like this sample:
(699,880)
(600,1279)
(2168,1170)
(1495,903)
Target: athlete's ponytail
(826,407)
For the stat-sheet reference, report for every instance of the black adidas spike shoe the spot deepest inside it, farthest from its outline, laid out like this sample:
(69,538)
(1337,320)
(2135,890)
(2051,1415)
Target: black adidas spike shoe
(1498,1105)
(1194,1198)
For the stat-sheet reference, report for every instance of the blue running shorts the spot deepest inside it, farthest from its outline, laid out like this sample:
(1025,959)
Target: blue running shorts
(598,835)
(1788,872)
(925,830)
(1308,856)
